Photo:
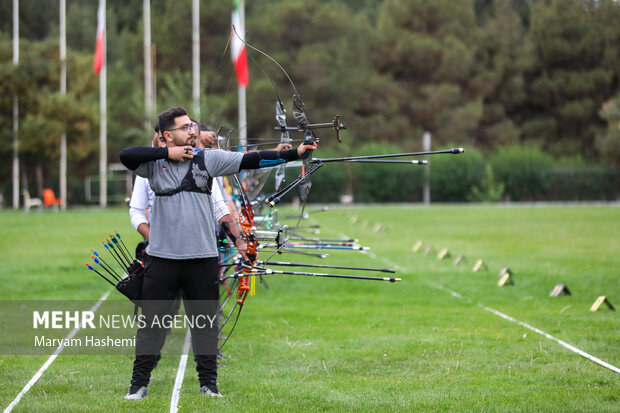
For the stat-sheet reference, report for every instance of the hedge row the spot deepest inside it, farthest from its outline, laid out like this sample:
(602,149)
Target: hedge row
(513,173)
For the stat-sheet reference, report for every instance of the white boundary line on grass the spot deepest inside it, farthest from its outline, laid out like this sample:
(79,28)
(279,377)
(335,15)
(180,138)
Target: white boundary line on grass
(178,382)
(50,360)
(550,337)
(509,318)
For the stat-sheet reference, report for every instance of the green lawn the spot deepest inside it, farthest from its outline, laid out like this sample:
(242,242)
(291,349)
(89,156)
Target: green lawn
(346,345)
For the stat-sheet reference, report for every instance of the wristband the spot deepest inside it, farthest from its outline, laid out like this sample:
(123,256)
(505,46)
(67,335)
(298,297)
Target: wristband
(228,232)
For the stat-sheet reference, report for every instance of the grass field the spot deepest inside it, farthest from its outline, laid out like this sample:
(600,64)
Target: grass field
(430,343)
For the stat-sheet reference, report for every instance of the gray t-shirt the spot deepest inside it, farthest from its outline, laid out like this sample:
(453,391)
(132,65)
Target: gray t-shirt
(182,225)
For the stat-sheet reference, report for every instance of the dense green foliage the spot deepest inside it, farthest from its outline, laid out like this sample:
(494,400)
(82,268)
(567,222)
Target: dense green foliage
(512,173)
(317,344)
(480,73)
(522,170)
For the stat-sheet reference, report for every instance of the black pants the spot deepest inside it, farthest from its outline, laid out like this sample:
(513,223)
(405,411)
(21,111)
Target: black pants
(163,279)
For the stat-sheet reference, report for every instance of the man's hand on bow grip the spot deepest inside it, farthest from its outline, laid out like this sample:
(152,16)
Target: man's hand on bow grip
(303,148)
(242,247)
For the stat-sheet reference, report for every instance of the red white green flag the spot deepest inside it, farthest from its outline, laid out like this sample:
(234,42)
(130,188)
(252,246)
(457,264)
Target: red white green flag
(99,60)
(237,48)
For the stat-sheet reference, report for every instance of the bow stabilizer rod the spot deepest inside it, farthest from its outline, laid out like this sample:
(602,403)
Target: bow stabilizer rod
(266,271)
(453,151)
(320,246)
(408,162)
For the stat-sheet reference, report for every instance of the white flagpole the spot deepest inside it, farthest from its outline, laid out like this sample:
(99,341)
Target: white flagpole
(243,125)
(196,58)
(426,143)
(148,72)
(15,108)
(63,91)
(243,131)
(103,126)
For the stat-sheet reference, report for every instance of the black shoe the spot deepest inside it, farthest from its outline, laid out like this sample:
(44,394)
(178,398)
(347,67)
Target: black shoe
(210,389)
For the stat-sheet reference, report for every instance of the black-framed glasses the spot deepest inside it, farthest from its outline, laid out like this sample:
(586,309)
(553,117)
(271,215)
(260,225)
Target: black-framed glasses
(187,127)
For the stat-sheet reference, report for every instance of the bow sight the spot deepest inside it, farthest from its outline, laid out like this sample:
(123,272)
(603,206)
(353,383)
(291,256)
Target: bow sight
(334,124)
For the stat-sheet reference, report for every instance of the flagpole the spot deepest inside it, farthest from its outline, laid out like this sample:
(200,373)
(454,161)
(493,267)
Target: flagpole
(243,131)
(243,125)
(196,58)
(103,156)
(148,72)
(63,91)
(426,194)
(15,108)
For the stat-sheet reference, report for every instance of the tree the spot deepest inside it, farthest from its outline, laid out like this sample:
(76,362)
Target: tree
(502,60)
(608,141)
(568,83)
(430,51)
(43,111)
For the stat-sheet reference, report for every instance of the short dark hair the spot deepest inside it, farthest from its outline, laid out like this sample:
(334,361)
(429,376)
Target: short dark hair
(167,117)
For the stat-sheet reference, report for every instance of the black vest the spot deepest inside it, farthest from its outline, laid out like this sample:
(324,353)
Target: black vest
(197,178)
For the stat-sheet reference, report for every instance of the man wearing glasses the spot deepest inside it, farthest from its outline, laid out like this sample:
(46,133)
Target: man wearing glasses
(182,252)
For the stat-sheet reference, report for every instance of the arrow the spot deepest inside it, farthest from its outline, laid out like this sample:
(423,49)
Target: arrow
(108,270)
(110,247)
(120,250)
(119,238)
(101,275)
